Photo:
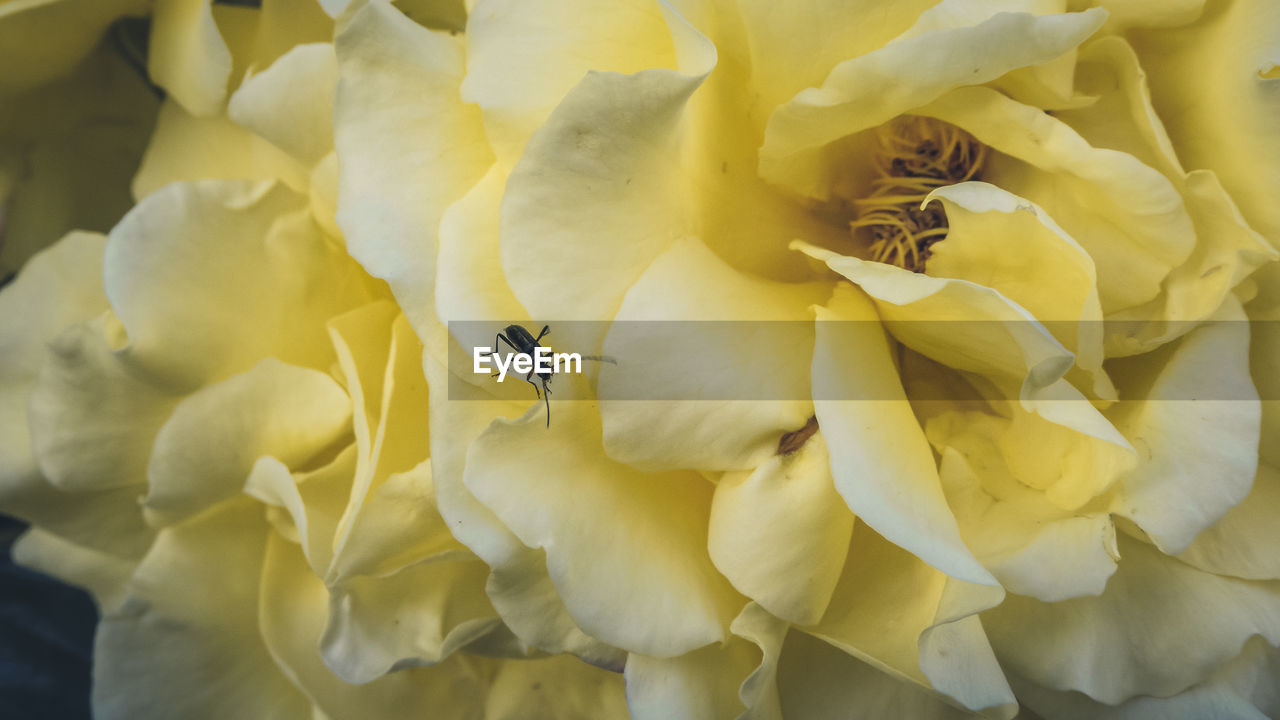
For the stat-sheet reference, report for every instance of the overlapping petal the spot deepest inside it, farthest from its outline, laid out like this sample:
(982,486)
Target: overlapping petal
(626,550)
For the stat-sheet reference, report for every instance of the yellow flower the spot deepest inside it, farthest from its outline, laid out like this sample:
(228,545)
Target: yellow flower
(217,423)
(660,171)
(1014,447)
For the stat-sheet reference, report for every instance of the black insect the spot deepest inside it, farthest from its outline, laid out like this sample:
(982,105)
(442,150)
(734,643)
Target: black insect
(523,342)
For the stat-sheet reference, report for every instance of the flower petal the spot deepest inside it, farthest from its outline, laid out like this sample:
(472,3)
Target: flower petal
(292,607)
(314,500)
(869,90)
(1221,61)
(1127,215)
(92,420)
(918,624)
(184,148)
(290,104)
(960,324)
(207,448)
(1243,689)
(780,533)
(181,648)
(625,549)
(1031,546)
(787,56)
(413,617)
(1147,633)
(701,683)
(818,680)
(880,460)
(1197,432)
(58,287)
(104,575)
(187,55)
(517,70)
(209,277)
(687,284)
(470,284)
(607,157)
(1226,248)
(402,166)
(1242,544)
(705,683)
(519,585)
(1003,242)
(561,687)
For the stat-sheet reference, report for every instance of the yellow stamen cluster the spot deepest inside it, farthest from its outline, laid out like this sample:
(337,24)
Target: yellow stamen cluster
(915,156)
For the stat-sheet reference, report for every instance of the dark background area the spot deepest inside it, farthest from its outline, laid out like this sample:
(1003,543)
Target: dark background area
(46,640)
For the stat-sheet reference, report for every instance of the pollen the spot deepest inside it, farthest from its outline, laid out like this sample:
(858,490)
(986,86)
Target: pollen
(914,156)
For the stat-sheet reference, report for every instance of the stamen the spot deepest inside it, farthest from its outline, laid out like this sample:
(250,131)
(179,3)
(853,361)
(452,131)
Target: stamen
(916,156)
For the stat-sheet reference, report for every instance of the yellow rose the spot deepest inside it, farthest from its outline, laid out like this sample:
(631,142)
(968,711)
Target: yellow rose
(669,183)
(1014,456)
(216,422)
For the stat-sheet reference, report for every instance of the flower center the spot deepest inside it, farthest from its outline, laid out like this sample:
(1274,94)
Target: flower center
(915,155)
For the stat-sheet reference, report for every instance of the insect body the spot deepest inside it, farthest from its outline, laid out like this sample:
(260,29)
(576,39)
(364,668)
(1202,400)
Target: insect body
(523,342)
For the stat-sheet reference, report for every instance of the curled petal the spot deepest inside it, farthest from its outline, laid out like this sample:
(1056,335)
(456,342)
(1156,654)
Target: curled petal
(872,89)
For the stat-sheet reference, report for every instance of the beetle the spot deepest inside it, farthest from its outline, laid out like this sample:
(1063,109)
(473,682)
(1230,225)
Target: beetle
(523,342)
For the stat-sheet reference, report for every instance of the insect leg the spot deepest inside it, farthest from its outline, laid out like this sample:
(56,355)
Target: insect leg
(494,351)
(529,379)
(546,396)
